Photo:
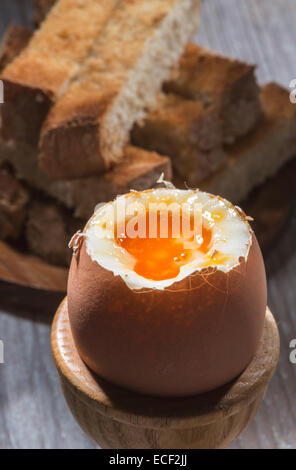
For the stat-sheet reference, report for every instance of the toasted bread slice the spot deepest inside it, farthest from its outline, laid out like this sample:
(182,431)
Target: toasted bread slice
(190,132)
(42,73)
(226,83)
(138,170)
(13,201)
(261,154)
(86,131)
(49,228)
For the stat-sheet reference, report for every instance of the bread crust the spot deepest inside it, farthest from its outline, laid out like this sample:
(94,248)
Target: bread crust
(71,133)
(228,84)
(260,154)
(42,73)
(138,170)
(188,131)
(49,228)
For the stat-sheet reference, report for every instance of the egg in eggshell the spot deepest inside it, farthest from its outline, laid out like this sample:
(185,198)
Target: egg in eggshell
(156,315)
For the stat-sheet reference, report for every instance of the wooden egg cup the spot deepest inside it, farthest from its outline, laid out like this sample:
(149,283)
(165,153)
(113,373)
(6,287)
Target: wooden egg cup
(119,419)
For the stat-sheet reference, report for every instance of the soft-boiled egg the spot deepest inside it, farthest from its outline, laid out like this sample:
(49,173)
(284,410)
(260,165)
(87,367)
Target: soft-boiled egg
(167,292)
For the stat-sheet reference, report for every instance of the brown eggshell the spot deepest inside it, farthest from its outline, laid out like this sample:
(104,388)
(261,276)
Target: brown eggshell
(190,338)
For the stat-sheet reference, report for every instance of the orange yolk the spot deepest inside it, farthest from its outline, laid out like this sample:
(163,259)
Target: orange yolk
(161,258)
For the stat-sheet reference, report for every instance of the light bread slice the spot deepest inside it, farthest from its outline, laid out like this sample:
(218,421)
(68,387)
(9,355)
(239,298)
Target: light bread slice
(86,131)
(228,84)
(261,154)
(188,131)
(42,73)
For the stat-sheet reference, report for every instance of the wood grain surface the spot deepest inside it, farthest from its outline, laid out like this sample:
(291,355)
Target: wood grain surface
(28,270)
(33,413)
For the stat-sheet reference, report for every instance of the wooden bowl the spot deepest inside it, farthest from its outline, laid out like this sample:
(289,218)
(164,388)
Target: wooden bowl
(119,419)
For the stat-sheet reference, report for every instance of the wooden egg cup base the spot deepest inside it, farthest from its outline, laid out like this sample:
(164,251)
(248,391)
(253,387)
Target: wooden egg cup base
(119,419)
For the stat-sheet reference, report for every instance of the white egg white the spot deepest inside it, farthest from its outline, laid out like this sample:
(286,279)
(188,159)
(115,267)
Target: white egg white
(231,235)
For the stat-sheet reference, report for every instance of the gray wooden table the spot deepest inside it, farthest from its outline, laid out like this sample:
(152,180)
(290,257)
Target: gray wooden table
(33,413)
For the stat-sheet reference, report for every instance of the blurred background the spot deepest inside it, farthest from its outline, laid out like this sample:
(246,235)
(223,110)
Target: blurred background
(33,413)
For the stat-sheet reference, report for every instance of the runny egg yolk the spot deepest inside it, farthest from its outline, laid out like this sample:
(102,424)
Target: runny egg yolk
(161,258)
